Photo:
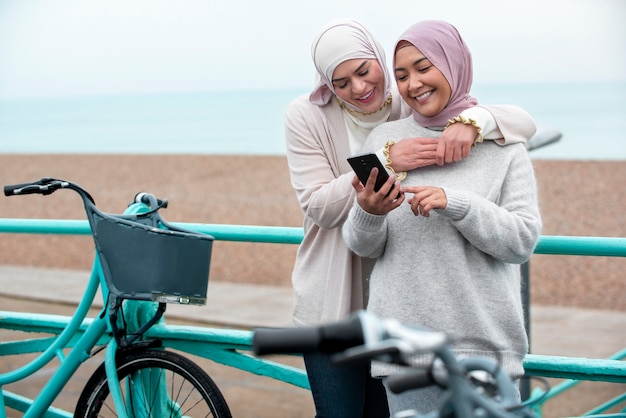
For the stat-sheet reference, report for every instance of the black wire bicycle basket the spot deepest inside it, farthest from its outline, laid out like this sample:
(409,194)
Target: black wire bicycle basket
(145,258)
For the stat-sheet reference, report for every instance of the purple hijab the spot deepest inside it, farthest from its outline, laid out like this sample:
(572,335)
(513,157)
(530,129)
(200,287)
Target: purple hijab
(442,44)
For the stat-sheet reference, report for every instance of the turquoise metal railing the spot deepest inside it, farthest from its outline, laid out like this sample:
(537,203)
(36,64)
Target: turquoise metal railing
(556,245)
(538,399)
(608,370)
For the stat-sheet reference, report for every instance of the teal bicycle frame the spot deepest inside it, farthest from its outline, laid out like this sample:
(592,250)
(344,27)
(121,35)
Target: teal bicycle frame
(98,332)
(82,335)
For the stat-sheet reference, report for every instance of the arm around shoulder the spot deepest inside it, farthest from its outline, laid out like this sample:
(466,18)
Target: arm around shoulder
(513,124)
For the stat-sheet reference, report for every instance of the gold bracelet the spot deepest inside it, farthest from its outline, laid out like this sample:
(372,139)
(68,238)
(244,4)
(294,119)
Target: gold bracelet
(399,176)
(468,121)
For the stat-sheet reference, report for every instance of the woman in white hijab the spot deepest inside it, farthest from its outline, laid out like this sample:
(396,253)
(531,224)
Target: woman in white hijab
(354,94)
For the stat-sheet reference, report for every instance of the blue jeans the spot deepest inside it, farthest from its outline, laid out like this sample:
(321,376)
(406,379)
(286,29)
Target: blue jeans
(344,390)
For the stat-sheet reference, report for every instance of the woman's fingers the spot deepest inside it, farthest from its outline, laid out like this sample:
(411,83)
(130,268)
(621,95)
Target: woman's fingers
(425,199)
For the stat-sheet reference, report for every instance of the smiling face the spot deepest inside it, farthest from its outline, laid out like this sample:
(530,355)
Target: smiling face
(420,83)
(361,83)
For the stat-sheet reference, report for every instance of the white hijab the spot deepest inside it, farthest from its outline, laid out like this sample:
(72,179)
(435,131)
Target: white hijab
(339,41)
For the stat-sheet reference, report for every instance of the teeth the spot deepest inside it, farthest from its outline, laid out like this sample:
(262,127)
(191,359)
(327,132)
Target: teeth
(367,96)
(423,96)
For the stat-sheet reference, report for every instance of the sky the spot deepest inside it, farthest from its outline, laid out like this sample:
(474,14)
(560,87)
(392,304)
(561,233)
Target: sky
(65,48)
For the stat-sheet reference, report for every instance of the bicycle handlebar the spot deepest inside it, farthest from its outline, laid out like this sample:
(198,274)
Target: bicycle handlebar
(365,336)
(43,186)
(345,338)
(48,185)
(330,338)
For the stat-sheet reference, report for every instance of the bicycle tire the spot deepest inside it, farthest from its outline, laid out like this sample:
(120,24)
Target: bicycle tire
(190,390)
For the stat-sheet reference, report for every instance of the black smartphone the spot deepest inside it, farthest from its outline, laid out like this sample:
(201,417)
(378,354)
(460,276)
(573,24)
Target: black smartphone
(363,164)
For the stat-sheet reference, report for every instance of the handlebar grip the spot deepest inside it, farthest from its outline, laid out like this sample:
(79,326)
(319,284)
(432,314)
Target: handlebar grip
(285,340)
(9,189)
(342,335)
(411,379)
(33,187)
(329,338)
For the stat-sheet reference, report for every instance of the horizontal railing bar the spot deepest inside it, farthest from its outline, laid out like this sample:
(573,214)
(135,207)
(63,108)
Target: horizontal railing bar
(221,232)
(607,370)
(248,233)
(595,246)
(45,226)
(548,244)
(575,368)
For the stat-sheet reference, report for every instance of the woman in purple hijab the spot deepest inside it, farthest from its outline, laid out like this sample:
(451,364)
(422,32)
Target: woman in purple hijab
(447,250)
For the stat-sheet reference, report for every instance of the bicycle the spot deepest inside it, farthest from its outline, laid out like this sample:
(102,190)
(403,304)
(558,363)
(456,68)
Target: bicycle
(473,387)
(141,264)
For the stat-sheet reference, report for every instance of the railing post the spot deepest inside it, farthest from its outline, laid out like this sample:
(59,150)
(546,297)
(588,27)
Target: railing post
(525,282)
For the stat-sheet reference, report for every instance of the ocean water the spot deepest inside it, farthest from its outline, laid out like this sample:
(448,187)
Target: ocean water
(590,117)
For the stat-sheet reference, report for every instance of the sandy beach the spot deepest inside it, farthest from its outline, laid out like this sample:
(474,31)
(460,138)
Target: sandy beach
(577,198)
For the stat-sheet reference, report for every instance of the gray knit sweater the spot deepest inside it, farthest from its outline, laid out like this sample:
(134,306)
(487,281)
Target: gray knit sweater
(458,270)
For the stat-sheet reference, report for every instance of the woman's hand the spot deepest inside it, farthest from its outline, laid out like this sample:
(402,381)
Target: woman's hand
(382,202)
(412,153)
(425,199)
(455,143)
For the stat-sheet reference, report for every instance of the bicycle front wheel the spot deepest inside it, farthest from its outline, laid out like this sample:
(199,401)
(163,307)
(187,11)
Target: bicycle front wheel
(154,383)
